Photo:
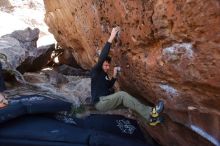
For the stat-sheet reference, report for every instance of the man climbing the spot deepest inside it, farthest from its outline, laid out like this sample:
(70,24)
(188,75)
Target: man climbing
(101,85)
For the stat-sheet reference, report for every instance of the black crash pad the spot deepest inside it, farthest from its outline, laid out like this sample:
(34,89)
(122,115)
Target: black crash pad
(33,121)
(32,104)
(115,124)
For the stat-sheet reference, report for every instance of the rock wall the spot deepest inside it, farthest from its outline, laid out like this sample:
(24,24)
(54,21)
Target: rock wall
(168,49)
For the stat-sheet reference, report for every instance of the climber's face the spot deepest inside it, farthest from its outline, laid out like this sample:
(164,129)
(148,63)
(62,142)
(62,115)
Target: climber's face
(106,66)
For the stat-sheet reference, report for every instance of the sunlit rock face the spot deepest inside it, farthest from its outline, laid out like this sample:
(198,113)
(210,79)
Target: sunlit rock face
(5,3)
(168,50)
(20,14)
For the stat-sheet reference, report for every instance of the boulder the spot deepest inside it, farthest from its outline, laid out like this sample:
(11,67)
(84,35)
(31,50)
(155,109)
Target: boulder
(71,71)
(169,50)
(74,89)
(13,51)
(19,50)
(40,58)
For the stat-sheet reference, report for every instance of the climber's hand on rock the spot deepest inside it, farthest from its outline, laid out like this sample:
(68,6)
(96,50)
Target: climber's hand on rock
(116,71)
(115,30)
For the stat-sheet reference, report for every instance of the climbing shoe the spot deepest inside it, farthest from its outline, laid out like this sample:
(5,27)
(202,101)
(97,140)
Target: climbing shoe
(155,120)
(157,109)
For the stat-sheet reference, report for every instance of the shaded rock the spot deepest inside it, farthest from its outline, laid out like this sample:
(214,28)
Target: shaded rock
(67,70)
(72,88)
(41,58)
(55,78)
(67,58)
(169,50)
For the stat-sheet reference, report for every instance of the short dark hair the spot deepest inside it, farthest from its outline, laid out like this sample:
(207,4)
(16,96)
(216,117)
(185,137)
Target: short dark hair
(108,59)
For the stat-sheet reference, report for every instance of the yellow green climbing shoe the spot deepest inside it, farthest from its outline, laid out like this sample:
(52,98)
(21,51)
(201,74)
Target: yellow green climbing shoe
(155,120)
(157,109)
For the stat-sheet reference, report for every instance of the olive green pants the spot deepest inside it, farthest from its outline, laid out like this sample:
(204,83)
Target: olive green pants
(122,98)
